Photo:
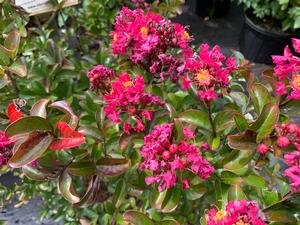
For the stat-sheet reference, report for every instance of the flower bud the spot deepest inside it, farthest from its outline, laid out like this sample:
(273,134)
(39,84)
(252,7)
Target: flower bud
(283,142)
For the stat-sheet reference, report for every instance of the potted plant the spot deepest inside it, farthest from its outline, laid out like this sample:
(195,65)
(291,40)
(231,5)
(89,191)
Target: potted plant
(268,27)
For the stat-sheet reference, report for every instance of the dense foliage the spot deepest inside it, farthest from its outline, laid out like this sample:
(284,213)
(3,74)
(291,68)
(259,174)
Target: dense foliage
(141,128)
(275,14)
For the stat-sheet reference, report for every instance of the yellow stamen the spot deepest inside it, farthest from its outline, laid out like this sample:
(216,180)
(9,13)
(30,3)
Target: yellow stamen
(186,35)
(127,84)
(203,77)
(144,31)
(296,82)
(219,215)
(115,37)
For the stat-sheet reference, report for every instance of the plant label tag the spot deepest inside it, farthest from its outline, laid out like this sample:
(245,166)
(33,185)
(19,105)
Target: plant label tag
(34,7)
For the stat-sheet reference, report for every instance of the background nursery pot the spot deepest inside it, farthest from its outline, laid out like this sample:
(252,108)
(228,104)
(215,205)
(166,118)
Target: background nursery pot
(259,44)
(212,8)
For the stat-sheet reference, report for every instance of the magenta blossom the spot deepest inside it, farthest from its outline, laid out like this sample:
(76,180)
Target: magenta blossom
(240,212)
(166,159)
(6,146)
(127,98)
(208,71)
(100,78)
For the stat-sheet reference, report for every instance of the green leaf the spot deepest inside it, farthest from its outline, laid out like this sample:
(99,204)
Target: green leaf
(3,81)
(244,141)
(240,160)
(90,195)
(39,108)
(28,124)
(168,222)
(66,189)
(34,173)
(230,178)
(64,107)
(259,95)
(281,215)
(265,123)
(19,68)
(137,218)
(270,196)
(92,132)
(33,146)
(195,117)
(82,168)
(12,43)
(241,122)
(125,141)
(112,167)
(236,193)
(4,56)
(171,200)
(119,194)
(255,180)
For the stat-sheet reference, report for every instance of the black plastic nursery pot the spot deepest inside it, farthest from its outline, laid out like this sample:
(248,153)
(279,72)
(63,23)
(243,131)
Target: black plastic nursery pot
(259,44)
(212,8)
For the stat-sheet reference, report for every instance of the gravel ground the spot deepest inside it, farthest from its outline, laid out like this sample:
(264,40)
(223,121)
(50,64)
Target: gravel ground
(222,31)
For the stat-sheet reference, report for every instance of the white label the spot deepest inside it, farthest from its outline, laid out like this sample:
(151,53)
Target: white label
(34,7)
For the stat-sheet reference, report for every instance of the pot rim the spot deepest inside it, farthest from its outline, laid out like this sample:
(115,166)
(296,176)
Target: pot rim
(265,31)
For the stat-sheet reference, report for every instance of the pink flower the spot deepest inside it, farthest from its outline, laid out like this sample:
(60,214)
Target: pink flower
(237,212)
(188,133)
(170,159)
(186,83)
(6,146)
(293,173)
(127,97)
(283,142)
(208,71)
(100,78)
(262,149)
(296,44)
(295,84)
(280,88)
(146,39)
(185,184)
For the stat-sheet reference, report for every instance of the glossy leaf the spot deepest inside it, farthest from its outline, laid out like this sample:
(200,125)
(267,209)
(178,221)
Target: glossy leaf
(259,95)
(244,141)
(39,108)
(28,124)
(137,218)
(19,68)
(270,196)
(168,222)
(195,117)
(92,132)
(35,144)
(35,173)
(255,180)
(90,195)
(119,194)
(125,141)
(64,107)
(241,122)
(112,166)
(240,160)
(266,122)
(236,193)
(12,42)
(67,138)
(281,215)
(66,189)
(3,81)
(82,168)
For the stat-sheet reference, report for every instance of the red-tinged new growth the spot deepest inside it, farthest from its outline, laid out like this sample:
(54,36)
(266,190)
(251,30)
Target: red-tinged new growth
(147,39)
(130,104)
(14,113)
(67,138)
(165,158)
(208,71)
(287,72)
(240,212)
(6,146)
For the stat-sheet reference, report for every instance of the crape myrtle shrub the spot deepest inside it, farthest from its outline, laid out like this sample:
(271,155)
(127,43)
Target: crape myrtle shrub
(166,133)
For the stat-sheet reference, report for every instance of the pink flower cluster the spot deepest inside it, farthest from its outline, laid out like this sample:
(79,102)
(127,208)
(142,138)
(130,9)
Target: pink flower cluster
(100,78)
(166,159)
(288,135)
(6,146)
(208,71)
(287,71)
(240,212)
(147,38)
(128,103)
